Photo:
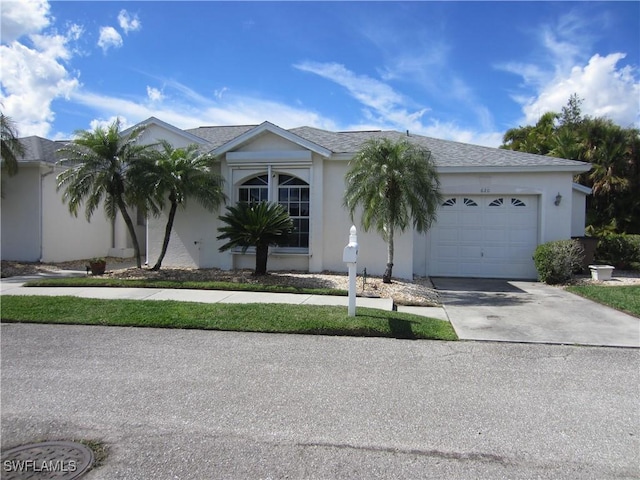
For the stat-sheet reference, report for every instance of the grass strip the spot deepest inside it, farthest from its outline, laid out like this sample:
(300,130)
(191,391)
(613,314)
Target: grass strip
(625,298)
(268,318)
(195,285)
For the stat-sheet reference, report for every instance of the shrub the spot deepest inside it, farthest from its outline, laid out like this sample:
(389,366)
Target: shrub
(556,261)
(620,250)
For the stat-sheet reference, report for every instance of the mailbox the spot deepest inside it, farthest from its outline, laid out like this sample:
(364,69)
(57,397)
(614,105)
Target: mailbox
(350,253)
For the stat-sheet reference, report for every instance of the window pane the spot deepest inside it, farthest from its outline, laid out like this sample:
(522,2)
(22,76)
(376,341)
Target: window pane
(304,209)
(294,194)
(294,209)
(283,194)
(304,194)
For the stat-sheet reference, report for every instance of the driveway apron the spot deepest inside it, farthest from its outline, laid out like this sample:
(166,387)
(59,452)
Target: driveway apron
(532,312)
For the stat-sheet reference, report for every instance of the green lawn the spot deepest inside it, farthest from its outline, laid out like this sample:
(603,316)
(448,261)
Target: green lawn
(273,318)
(625,298)
(196,285)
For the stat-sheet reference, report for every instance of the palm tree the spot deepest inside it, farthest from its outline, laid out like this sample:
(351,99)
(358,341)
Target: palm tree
(396,184)
(256,225)
(10,145)
(99,161)
(176,174)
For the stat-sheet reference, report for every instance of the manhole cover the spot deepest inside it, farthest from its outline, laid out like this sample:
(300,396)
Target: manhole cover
(48,460)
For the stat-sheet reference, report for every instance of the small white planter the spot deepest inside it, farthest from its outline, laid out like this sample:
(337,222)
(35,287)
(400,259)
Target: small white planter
(601,272)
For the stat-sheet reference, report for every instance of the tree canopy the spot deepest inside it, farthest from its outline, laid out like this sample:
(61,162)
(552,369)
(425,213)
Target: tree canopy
(396,185)
(99,170)
(613,151)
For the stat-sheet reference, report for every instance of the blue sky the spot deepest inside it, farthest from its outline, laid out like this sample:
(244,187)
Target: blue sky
(465,71)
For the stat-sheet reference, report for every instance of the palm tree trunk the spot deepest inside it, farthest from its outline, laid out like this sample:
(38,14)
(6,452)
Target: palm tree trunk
(132,230)
(167,235)
(386,277)
(262,252)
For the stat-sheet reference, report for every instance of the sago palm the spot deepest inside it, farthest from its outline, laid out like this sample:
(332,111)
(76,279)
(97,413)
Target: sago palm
(175,174)
(99,162)
(397,185)
(258,225)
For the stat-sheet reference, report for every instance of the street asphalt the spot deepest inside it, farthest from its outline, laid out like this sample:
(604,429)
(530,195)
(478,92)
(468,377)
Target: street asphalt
(188,404)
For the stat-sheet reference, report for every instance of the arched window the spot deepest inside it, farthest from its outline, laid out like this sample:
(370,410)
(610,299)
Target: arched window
(293,194)
(254,190)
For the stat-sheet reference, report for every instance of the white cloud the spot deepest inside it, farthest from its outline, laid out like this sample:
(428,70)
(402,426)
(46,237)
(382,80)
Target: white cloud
(22,18)
(124,123)
(387,109)
(154,94)
(219,93)
(370,92)
(189,110)
(109,37)
(570,66)
(128,23)
(606,89)
(32,78)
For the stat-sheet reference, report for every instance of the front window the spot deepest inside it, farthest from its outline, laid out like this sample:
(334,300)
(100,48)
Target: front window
(292,193)
(255,190)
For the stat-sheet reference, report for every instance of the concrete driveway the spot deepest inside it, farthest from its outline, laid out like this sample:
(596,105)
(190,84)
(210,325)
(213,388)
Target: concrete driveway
(520,311)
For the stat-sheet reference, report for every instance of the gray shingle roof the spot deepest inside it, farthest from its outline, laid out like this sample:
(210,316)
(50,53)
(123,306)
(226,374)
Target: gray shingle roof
(446,153)
(218,136)
(38,149)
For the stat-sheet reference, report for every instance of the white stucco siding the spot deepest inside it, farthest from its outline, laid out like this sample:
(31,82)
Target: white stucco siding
(66,237)
(21,238)
(154,133)
(268,142)
(372,248)
(193,238)
(37,225)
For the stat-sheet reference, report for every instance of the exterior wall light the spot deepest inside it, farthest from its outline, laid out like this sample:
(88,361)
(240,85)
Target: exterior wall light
(558,199)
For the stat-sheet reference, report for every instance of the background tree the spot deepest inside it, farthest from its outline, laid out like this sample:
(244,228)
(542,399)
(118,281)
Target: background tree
(613,151)
(258,225)
(10,147)
(175,174)
(99,162)
(396,184)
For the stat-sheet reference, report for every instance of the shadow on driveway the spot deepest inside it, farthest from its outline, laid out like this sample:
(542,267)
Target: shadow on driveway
(480,291)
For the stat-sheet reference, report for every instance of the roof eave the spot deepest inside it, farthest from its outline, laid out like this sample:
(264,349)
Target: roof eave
(515,169)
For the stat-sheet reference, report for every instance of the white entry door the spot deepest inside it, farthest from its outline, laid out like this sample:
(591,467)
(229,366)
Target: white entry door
(485,236)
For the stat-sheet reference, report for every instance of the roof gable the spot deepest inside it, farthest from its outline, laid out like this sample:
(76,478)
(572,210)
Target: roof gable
(266,128)
(153,121)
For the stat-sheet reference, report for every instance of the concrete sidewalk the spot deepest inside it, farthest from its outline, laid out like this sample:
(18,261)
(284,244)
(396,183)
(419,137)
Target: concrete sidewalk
(15,286)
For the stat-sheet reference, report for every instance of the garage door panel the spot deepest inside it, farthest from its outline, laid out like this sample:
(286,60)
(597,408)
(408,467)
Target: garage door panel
(469,235)
(485,236)
(446,234)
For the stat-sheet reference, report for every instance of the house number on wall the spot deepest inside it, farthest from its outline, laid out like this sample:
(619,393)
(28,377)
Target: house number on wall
(485,190)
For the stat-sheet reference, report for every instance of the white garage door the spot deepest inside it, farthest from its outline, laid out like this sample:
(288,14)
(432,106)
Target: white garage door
(485,236)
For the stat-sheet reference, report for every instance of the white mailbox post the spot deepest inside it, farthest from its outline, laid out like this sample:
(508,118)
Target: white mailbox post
(350,257)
